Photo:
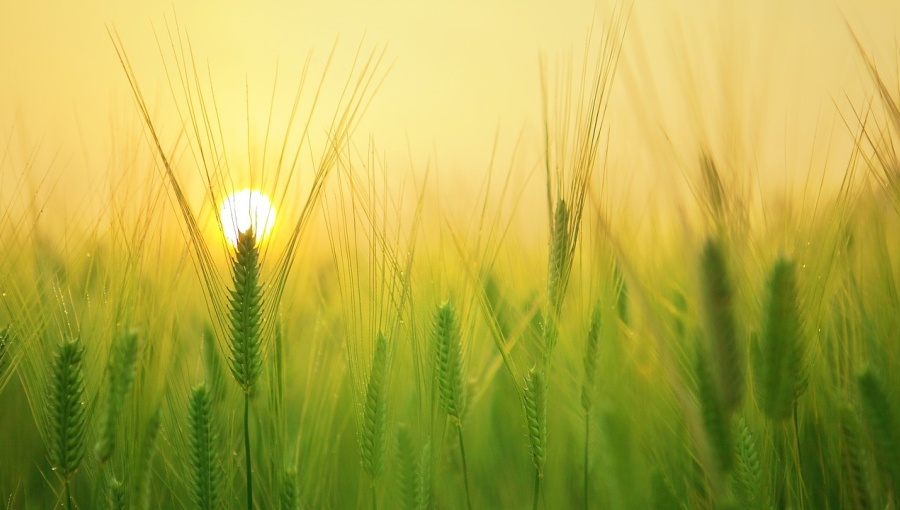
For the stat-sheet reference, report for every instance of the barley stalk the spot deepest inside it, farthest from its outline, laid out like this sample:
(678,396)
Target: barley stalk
(591,359)
(374,425)
(535,402)
(245,307)
(147,454)
(778,357)
(407,466)
(717,297)
(852,458)
(715,416)
(115,494)
(878,411)
(451,376)
(290,499)
(747,473)
(120,378)
(449,360)
(559,256)
(206,469)
(245,340)
(66,413)
(423,487)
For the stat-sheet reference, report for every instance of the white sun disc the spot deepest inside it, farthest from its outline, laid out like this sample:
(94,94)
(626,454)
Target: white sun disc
(244,209)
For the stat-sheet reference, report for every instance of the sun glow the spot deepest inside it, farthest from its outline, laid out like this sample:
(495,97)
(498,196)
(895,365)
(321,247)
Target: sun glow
(244,209)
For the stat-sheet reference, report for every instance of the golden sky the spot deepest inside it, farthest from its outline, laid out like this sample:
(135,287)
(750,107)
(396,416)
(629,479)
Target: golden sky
(461,71)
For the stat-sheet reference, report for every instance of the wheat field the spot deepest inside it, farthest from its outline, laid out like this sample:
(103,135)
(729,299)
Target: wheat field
(650,294)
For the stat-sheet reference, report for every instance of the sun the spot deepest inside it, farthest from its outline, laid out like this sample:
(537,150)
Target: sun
(244,209)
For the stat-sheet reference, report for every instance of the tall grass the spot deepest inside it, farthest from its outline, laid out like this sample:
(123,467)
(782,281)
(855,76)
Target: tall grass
(431,352)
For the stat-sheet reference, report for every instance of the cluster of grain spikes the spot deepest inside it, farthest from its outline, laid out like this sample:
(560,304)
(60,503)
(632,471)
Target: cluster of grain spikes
(573,136)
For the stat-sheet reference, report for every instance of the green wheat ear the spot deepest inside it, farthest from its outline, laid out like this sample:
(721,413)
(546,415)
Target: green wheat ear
(147,452)
(115,494)
(407,478)
(747,473)
(852,459)
(424,485)
(290,498)
(591,358)
(724,349)
(246,313)
(449,360)
(374,436)
(66,411)
(535,400)
(715,416)
(206,470)
(120,373)
(778,358)
(878,411)
(559,247)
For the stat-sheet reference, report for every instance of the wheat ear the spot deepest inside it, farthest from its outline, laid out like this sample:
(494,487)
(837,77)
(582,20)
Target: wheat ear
(778,357)
(726,354)
(120,373)
(878,411)
(535,402)
(207,475)
(245,340)
(66,414)
(450,370)
(374,426)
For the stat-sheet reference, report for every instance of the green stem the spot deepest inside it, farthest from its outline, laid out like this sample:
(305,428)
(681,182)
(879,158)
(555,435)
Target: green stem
(374,496)
(247,451)
(587,445)
(537,489)
(462,452)
(68,495)
(797,456)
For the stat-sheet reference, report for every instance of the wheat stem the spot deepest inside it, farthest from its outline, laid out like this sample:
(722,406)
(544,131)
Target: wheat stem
(462,453)
(587,444)
(247,451)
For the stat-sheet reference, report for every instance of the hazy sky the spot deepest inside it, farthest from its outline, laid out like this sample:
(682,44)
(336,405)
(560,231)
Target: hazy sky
(461,70)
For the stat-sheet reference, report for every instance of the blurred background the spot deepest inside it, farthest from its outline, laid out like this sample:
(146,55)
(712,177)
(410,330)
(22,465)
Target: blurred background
(768,86)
